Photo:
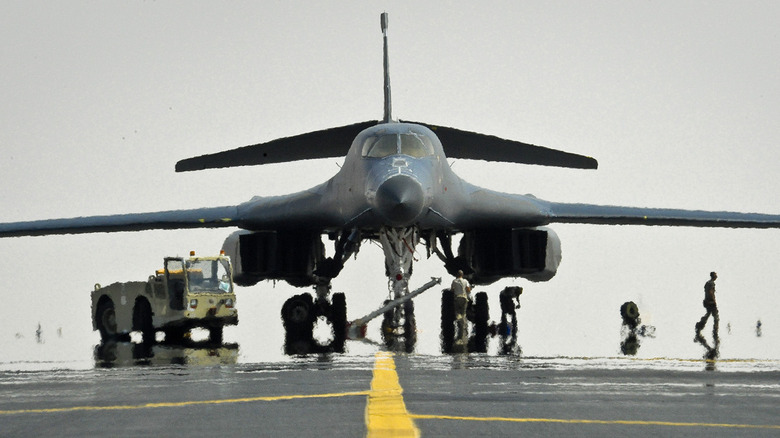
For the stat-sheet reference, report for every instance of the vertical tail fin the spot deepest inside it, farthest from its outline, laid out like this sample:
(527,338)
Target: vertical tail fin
(388,105)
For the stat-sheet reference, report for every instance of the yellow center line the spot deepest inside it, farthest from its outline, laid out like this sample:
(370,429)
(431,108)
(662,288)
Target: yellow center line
(386,414)
(580,421)
(184,403)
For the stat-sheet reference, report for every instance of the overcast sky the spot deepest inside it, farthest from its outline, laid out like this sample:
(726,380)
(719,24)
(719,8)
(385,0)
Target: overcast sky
(679,102)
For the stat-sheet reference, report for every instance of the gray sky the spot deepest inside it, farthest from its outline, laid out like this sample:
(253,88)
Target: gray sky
(679,102)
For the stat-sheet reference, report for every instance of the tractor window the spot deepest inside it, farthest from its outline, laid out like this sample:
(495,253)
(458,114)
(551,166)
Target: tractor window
(208,276)
(174,271)
(223,274)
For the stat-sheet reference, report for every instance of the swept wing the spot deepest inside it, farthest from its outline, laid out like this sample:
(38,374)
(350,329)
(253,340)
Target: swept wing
(163,220)
(335,142)
(614,215)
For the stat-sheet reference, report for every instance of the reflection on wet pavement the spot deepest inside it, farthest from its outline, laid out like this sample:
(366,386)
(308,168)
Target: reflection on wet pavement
(128,354)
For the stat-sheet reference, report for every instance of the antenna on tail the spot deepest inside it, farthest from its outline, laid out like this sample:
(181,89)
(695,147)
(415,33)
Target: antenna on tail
(388,106)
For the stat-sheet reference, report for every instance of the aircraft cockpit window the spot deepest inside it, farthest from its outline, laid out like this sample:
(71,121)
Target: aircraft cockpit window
(380,147)
(415,145)
(411,144)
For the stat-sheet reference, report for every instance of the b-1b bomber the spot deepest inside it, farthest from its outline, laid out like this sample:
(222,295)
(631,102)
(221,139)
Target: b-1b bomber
(396,188)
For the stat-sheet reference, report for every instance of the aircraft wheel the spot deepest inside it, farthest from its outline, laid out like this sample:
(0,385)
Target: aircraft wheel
(388,327)
(297,311)
(338,319)
(106,320)
(298,319)
(410,327)
(142,320)
(481,317)
(447,320)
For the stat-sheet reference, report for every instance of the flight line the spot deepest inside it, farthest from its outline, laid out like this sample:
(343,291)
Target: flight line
(386,412)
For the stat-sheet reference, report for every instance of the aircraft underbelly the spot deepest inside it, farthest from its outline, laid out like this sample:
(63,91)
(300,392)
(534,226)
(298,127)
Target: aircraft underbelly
(486,209)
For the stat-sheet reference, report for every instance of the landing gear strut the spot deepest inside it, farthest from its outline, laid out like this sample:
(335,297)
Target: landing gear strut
(399,329)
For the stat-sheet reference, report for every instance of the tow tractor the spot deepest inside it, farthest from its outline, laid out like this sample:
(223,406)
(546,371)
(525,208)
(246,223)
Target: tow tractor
(186,293)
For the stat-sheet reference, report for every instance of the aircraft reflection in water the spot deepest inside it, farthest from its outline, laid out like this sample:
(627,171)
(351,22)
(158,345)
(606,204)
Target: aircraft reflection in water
(124,354)
(395,188)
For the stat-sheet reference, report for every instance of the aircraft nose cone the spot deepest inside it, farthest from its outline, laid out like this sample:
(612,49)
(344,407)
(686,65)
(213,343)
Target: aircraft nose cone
(400,199)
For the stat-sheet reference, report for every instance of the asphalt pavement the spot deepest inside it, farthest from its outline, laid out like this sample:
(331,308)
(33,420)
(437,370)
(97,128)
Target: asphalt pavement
(203,392)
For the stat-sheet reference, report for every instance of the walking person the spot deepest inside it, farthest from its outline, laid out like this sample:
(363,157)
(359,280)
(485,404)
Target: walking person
(711,307)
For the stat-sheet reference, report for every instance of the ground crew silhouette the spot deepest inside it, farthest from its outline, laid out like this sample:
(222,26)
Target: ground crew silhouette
(712,309)
(461,289)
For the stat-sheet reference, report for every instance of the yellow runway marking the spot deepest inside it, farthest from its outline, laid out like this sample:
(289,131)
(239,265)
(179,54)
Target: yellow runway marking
(184,403)
(613,422)
(386,414)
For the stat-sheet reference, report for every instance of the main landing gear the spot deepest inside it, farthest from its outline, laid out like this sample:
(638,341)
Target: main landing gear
(299,315)
(477,313)
(478,316)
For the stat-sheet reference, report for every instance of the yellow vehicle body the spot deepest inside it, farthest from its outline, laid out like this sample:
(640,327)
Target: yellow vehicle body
(186,293)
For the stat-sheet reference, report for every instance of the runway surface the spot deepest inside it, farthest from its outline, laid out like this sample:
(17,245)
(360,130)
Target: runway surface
(203,392)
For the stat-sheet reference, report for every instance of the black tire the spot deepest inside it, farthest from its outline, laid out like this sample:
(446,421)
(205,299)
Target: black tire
(447,320)
(105,317)
(298,319)
(629,311)
(142,320)
(388,331)
(175,335)
(481,318)
(338,319)
(215,334)
(410,327)
(297,312)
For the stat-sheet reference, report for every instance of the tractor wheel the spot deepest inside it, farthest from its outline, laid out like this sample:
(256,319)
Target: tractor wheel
(215,334)
(105,316)
(142,320)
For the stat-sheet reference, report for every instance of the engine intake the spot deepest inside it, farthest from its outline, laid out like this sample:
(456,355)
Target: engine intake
(493,254)
(274,255)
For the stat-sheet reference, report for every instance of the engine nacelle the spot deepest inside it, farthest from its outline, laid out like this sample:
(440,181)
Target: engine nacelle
(274,255)
(493,254)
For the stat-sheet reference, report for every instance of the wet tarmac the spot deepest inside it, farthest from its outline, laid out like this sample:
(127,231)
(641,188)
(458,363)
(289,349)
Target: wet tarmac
(201,390)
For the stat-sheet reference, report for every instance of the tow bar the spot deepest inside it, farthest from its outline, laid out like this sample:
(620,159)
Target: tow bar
(357,329)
